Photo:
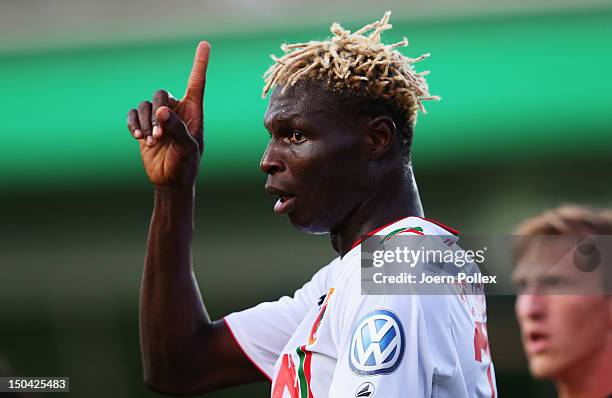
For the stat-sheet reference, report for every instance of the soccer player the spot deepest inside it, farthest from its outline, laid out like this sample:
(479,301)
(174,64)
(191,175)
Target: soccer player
(564,307)
(340,118)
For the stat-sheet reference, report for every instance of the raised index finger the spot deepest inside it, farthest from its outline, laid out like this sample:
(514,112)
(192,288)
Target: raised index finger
(197,78)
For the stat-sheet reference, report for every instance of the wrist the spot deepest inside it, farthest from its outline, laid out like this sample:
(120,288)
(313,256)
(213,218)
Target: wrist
(174,188)
(174,203)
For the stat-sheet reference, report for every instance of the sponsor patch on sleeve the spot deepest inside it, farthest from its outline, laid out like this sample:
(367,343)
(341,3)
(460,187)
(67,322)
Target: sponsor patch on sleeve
(377,344)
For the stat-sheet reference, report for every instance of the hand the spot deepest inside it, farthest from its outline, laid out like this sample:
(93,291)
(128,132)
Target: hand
(170,132)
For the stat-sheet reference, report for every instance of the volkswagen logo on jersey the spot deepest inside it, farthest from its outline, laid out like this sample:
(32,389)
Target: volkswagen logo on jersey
(377,345)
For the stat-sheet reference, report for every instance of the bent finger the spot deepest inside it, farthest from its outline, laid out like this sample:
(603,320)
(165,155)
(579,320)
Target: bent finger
(144,117)
(163,98)
(160,98)
(133,124)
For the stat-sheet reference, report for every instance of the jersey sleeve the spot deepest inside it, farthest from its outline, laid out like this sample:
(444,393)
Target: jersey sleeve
(382,344)
(263,331)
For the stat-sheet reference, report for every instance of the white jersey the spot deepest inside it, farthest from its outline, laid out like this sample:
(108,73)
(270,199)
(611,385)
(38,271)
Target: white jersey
(329,340)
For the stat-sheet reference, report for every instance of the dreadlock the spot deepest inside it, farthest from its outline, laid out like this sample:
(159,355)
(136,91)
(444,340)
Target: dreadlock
(356,62)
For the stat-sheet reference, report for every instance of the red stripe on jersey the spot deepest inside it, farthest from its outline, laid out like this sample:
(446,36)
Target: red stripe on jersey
(490,378)
(307,372)
(412,231)
(439,224)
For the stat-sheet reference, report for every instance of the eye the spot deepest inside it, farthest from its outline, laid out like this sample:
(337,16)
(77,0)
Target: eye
(555,284)
(296,137)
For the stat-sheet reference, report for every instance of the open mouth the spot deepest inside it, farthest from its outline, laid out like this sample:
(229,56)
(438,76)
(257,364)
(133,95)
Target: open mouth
(284,200)
(284,204)
(537,342)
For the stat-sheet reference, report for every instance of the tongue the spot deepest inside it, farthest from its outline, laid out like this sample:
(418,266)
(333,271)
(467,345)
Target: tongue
(278,205)
(283,204)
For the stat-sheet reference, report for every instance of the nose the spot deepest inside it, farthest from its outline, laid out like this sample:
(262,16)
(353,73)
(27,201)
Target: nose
(531,306)
(271,161)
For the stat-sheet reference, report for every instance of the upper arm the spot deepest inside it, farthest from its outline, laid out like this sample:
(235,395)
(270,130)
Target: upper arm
(244,346)
(216,361)
(258,335)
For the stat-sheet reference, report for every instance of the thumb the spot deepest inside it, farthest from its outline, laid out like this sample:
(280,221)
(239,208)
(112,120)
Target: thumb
(172,125)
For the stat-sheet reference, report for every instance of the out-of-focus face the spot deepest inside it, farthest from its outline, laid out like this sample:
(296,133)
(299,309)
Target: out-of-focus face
(564,319)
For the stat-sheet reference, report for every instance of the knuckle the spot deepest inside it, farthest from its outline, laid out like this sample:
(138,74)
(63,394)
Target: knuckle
(144,105)
(160,95)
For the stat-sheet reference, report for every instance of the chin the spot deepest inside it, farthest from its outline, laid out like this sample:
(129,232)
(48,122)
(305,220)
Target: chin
(308,225)
(543,368)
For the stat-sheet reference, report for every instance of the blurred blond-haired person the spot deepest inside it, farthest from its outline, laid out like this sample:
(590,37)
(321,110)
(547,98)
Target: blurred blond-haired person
(564,307)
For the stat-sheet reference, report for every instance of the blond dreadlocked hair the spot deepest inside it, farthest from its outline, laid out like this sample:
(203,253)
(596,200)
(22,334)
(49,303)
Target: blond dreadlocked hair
(357,62)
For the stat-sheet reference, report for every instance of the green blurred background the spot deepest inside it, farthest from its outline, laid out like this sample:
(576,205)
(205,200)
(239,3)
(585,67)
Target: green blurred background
(524,125)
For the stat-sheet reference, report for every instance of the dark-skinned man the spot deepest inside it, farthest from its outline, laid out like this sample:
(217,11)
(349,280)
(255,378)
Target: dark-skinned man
(340,119)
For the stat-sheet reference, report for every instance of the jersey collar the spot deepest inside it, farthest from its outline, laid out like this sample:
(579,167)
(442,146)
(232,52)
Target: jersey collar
(416,225)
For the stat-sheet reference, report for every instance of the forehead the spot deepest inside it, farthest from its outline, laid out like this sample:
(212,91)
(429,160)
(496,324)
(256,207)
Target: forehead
(558,257)
(306,102)
(542,256)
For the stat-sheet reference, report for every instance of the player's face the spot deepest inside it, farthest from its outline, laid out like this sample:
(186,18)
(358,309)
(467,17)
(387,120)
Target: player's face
(315,160)
(560,331)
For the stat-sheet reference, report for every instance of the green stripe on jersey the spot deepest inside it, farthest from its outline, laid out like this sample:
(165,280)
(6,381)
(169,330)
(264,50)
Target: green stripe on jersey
(304,387)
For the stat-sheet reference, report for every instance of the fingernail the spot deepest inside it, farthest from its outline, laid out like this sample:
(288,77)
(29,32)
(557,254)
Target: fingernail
(163,114)
(137,133)
(156,132)
(149,140)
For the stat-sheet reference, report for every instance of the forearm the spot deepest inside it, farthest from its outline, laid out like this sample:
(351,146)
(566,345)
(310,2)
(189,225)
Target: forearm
(172,314)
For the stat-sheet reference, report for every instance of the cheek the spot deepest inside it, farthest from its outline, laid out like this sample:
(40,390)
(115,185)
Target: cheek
(577,311)
(518,310)
(332,170)
(522,307)
(578,322)
(349,168)
(329,178)
(519,306)
(305,166)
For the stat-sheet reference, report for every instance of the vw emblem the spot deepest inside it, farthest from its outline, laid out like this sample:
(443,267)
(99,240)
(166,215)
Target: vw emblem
(377,345)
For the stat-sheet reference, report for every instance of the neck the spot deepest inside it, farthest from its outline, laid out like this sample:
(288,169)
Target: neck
(590,379)
(390,201)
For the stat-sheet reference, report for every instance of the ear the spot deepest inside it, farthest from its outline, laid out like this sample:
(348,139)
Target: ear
(379,135)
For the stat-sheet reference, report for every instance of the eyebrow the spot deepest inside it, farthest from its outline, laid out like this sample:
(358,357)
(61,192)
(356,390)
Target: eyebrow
(281,118)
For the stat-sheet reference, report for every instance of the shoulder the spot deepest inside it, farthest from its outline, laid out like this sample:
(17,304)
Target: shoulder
(324,277)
